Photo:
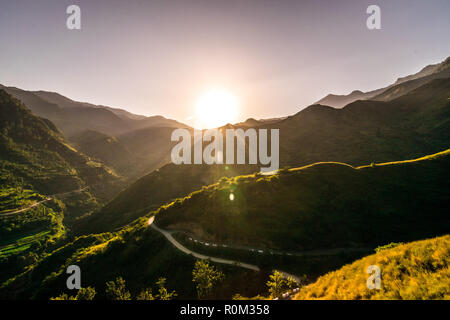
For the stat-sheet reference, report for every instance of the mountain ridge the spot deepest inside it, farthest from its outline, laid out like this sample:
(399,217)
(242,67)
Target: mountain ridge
(339,101)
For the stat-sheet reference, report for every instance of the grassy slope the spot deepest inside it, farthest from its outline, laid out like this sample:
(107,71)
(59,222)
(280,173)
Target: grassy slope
(34,154)
(321,206)
(138,254)
(417,270)
(361,133)
(153,190)
(105,148)
(35,160)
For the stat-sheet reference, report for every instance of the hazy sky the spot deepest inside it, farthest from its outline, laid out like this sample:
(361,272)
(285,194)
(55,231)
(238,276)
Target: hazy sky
(158,57)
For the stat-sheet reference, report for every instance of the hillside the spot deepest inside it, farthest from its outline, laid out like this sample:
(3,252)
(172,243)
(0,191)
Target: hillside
(44,185)
(413,271)
(339,101)
(106,148)
(153,190)
(73,117)
(428,73)
(137,253)
(324,205)
(440,72)
(133,145)
(361,133)
(414,124)
(34,154)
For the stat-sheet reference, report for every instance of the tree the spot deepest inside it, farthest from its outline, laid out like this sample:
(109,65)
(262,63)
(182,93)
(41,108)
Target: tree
(205,277)
(145,295)
(276,284)
(86,294)
(163,294)
(291,283)
(82,294)
(63,296)
(116,290)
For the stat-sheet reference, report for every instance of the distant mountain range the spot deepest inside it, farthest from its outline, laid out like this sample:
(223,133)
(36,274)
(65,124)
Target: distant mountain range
(428,73)
(72,117)
(363,132)
(35,155)
(353,176)
(131,144)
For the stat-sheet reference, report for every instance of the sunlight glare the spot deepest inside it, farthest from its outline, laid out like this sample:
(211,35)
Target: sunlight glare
(216,108)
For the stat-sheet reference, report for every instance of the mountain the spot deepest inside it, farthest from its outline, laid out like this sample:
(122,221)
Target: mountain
(34,151)
(73,117)
(440,72)
(340,101)
(65,102)
(368,131)
(133,154)
(320,206)
(325,205)
(107,149)
(132,145)
(45,184)
(412,271)
(250,122)
(153,190)
(364,132)
(138,254)
(430,72)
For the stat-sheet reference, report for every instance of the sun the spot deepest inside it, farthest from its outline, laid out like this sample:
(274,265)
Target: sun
(216,108)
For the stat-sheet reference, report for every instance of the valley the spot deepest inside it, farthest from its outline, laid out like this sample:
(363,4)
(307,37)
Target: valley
(94,186)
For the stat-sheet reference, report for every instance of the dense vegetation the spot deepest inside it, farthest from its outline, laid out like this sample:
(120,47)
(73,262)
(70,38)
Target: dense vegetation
(363,132)
(139,254)
(51,197)
(153,190)
(320,206)
(44,185)
(34,155)
(416,270)
(133,145)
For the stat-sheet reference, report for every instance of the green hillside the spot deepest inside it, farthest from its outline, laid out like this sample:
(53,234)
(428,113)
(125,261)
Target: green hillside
(106,148)
(363,132)
(137,253)
(73,117)
(323,205)
(45,184)
(153,190)
(320,206)
(34,154)
(413,271)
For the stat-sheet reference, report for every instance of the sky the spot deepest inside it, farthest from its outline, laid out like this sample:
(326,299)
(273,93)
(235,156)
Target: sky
(160,57)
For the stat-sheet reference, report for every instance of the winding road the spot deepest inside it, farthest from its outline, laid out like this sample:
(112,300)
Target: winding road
(182,248)
(168,235)
(39,202)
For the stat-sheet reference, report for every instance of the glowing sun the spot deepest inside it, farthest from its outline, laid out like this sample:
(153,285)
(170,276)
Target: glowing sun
(216,108)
